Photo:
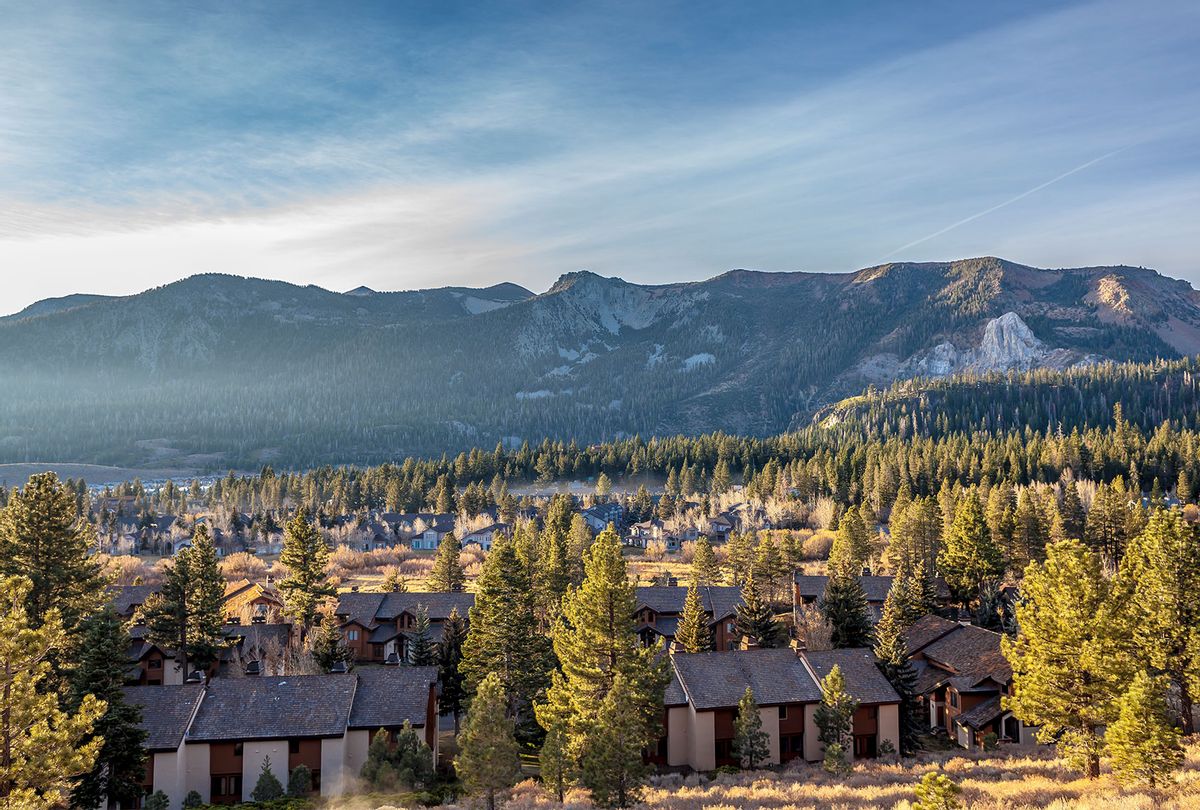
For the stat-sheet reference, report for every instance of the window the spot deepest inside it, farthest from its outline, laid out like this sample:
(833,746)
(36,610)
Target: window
(226,786)
(155,663)
(953,698)
(352,635)
(316,780)
(237,750)
(293,746)
(783,712)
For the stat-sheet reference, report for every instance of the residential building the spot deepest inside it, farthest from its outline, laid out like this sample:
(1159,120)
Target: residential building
(485,537)
(808,589)
(599,517)
(704,691)
(214,738)
(377,626)
(659,609)
(962,676)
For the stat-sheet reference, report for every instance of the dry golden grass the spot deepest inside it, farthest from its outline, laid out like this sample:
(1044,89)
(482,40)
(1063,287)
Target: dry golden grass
(1015,779)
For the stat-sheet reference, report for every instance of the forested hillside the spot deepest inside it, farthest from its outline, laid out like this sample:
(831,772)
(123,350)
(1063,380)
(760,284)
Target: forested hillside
(217,371)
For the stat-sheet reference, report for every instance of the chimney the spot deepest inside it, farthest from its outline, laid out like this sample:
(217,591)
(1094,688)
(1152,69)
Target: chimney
(196,677)
(338,668)
(393,660)
(253,668)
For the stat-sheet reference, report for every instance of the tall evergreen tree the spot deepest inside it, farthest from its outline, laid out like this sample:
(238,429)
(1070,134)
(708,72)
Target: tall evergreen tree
(751,745)
(597,647)
(43,539)
(755,619)
(969,556)
(328,645)
(693,634)
(852,543)
(489,760)
(502,634)
(1142,742)
(186,614)
(447,574)
(450,655)
(422,652)
(42,747)
(705,568)
(844,605)
(305,555)
(100,664)
(891,652)
(1063,681)
(834,718)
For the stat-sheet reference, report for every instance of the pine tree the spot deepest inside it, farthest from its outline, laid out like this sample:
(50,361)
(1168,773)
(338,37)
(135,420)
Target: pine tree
(770,569)
(755,619)
(705,568)
(891,652)
(1062,676)
(603,486)
(422,652)
(328,644)
(553,761)
(612,766)
(450,655)
(740,550)
(42,748)
(186,614)
(597,646)
(447,574)
(835,721)
(502,635)
(844,605)
(43,539)
(693,634)
(852,543)
(936,791)
(721,479)
(751,745)
(305,555)
(268,787)
(299,782)
(489,760)
(969,557)
(1158,584)
(1142,743)
(99,670)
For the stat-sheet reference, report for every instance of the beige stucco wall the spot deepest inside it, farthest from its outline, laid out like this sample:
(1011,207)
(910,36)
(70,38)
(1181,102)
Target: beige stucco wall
(770,726)
(703,739)
(889,725)
(197,769)
(355,755)
(814,751)
(170,775)
(253,754)
(333,766)
(678,736)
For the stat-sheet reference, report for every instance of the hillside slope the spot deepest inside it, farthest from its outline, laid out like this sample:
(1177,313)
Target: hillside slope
(225,371)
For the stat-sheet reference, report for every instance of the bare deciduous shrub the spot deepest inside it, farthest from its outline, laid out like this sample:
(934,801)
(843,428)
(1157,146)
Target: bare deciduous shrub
(817,546)
(243,566)
(125,569)
(813,630)
(822,512)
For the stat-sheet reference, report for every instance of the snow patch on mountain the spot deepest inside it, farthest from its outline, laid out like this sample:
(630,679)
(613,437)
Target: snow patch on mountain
(697,360)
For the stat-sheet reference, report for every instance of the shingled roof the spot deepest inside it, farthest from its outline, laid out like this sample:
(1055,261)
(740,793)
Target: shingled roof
(387,696)
(864,681)
(126,598)
(926,630)
(812,586)
(274,707)
(983,714)
(716,680)
(971,652)
(439,604)
(166,712)
(718,600)
(359,607)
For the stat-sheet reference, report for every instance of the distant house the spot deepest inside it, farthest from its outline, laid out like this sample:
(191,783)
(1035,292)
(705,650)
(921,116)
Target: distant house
(485,537)
(642,534)
(719,527)
(703,694)
(810,589)
(599,517)
(422,531)
(962,676)
(659,609)
(259,643)
(127,600)
(378,626)
(214,738)
(253,599)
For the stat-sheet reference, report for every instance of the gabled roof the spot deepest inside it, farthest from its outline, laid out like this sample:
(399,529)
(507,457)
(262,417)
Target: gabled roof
(718,600)
(126,598)
(387,696)
(812,586)
(971,652)
(166,712)
(864,681)
(716,680)
(359,607)
(274,708)
(437,603)
(926,630)
(983,714)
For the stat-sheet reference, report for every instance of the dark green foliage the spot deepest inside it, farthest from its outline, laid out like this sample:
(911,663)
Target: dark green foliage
(450,655)
(268,787)
(755,619)
(329,645)
(408,764)
(186,615)
(99,669)
(422,651)
(157,801)
(299,782)
(844,605)
(193,799)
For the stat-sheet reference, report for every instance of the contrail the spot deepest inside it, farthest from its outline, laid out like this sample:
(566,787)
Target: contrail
(1007,202)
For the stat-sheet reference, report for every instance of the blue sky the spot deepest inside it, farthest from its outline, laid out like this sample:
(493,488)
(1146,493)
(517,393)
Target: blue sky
(411,144)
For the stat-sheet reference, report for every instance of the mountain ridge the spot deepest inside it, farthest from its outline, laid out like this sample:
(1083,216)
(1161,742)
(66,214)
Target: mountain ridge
(234,369)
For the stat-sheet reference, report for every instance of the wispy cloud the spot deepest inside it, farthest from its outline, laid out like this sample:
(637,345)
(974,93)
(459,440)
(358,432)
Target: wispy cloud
(557,159)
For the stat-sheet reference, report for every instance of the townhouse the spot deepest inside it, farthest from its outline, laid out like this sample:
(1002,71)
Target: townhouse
(258,648)
(599,517)
(485,537)
(377,626)
(659,609)
(962,678)
(809,589)
(702,701)
(214,738)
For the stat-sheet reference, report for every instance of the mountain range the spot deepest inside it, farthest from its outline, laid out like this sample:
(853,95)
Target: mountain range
(221,371)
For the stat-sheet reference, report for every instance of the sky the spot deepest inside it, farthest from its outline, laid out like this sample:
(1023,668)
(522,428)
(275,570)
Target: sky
(420,144)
